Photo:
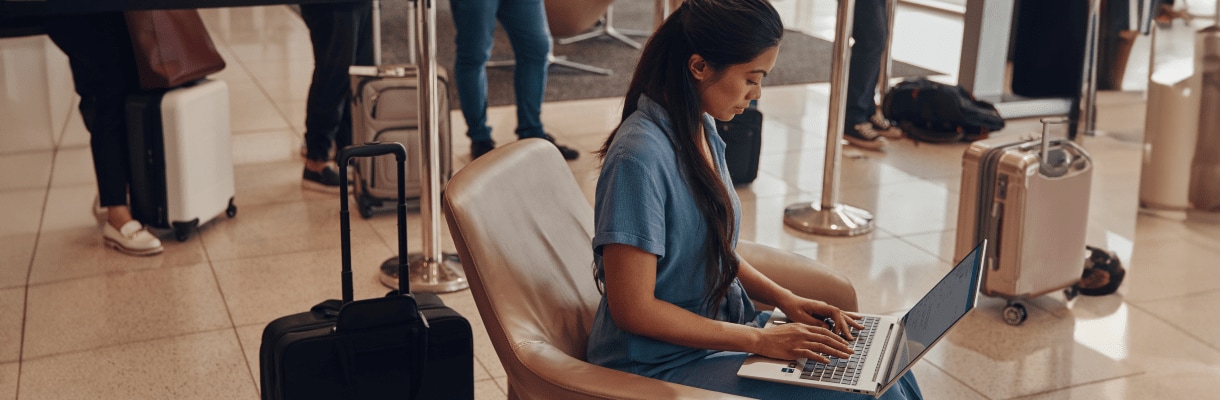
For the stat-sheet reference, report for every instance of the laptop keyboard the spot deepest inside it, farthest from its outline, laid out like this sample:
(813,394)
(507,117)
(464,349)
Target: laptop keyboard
(845,371)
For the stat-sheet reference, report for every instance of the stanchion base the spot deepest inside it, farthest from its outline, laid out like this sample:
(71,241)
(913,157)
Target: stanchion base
(836,220)
(448,278)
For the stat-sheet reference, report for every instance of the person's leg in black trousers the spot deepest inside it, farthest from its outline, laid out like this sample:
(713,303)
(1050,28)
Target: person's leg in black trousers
(341,34)
(104,74)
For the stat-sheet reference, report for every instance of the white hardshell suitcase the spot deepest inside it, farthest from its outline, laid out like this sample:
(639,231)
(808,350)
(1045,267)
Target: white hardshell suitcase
(1034,212)
(182,156)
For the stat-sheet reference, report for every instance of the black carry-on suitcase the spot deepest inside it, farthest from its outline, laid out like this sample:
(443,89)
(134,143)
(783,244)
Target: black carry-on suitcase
(368,349)
(743,142)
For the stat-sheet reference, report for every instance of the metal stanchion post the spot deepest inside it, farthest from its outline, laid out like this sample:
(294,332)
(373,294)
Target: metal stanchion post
(1086,113)
(431,270)
(830,217)
(887,57)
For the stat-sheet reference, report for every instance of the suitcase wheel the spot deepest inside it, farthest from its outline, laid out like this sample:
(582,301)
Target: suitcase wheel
(1015,313)
(182,230)
(231,211)
(1070,292)
(364,204)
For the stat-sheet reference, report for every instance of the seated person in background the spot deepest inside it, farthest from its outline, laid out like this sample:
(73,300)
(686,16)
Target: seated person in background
(676,303)
(104,74)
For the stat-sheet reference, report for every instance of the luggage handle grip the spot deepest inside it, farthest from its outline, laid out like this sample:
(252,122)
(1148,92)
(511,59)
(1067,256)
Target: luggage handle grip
(344,156)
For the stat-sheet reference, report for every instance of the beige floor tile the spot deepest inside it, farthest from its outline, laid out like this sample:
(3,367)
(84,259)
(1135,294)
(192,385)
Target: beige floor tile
(936,384)
(266,146)
(1196,314)
(779,137)
(25,170)
(205,365)
(260,289)
(261,33)
(251,338)
(293,112)
(8,380)
(281,80)
(488,389)
(17,250)
(251,110)
(889,275)
(73,167)
(75,134)
(18,233)
(1168,268)
(12,321)
(804,170)
(283,228)
(940,244)
(907,208)
(1194,384)
(762,221)
(262,184)
(88,313)
(70,207)
(80,252)
(925,160)
(1045,353)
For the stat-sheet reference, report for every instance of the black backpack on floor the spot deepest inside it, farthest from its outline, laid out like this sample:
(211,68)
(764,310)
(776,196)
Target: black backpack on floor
(939,113)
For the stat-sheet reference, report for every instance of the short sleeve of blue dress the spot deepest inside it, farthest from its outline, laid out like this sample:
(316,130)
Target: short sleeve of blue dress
(643,201)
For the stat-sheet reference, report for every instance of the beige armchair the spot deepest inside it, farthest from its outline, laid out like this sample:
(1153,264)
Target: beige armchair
(522,228)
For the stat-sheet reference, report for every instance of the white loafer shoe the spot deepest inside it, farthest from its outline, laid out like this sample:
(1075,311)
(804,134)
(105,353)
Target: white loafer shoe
(132,239)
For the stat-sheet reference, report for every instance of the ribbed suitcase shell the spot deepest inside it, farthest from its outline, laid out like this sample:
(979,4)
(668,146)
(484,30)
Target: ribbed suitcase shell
(386,109)
(1036,223)
(182,156)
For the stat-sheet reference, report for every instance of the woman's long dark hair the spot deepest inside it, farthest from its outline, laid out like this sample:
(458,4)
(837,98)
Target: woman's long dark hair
(724,33)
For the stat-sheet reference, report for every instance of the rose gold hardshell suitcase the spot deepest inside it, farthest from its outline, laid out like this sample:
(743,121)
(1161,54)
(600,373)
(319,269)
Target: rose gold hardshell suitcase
(1034,211)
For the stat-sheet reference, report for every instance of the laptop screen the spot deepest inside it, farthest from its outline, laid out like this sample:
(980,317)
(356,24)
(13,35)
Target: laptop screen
(947,302)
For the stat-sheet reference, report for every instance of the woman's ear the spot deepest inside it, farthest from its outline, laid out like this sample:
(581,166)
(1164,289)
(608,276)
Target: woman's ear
(698,68)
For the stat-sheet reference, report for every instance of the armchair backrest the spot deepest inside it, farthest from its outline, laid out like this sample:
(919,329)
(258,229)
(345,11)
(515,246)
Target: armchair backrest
(570,17)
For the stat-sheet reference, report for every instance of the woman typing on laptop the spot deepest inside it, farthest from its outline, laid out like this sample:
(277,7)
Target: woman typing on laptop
(676,303)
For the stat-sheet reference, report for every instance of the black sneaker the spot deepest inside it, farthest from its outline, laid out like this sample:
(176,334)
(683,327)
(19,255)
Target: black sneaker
(325,181)
(863,135)
(480,147)
(567,152)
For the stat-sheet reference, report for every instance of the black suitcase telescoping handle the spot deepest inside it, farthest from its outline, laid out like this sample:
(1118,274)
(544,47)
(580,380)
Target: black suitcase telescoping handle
(372,149)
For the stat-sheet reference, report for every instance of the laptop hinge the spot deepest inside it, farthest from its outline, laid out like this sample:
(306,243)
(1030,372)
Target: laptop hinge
(885,351)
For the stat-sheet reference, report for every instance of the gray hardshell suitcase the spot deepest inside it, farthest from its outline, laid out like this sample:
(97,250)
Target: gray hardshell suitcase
(385,108)
(1034,211)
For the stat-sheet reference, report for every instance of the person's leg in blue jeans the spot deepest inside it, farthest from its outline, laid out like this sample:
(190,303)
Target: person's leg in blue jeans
(531,43)
(475,21)
(526,25)
(870,27)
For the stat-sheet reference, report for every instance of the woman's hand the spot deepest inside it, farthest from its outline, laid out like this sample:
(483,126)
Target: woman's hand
(794,340)
(812,312)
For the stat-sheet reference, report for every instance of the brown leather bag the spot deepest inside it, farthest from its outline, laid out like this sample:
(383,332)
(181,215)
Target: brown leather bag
(172,47)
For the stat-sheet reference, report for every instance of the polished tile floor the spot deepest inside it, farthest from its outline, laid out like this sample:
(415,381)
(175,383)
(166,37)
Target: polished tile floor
(81,321)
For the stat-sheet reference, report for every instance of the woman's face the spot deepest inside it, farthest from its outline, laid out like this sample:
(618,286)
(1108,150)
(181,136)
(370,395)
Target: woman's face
(728,92)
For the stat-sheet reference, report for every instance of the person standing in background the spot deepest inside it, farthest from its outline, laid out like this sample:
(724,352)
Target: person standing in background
(104,75)
(341,35)
(526,25)
(864,127)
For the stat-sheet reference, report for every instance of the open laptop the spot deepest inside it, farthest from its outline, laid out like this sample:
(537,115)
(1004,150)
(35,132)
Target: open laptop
(888,346)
